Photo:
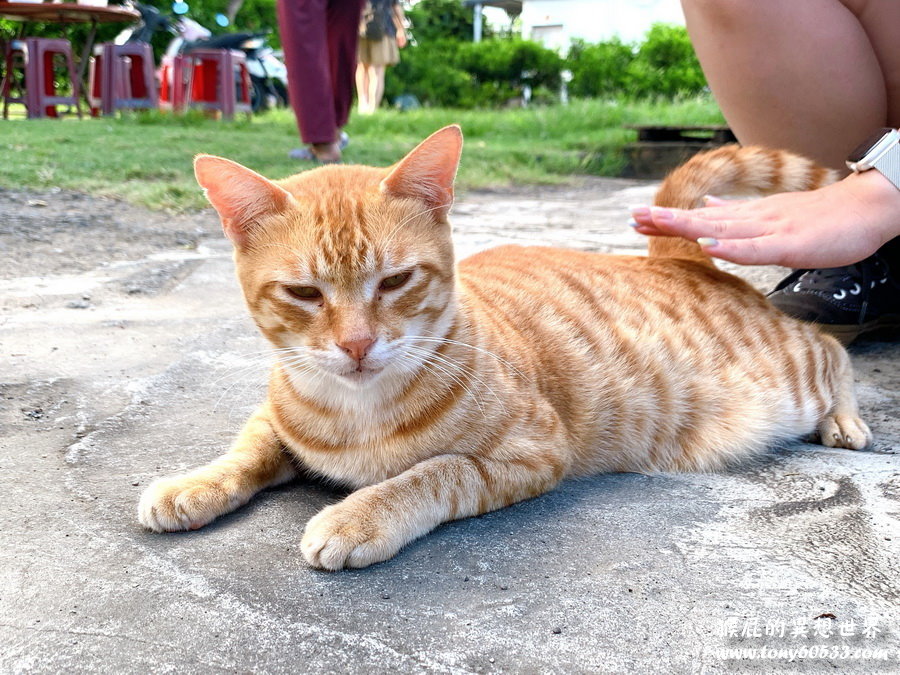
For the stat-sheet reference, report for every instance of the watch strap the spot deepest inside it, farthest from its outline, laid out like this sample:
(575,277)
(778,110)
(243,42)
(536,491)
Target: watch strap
(888,164)
(880,152)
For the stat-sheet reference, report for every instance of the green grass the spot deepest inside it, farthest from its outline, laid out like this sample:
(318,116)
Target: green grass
(146,158)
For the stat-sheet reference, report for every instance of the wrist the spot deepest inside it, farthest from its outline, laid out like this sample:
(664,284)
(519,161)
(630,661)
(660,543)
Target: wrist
(878,200)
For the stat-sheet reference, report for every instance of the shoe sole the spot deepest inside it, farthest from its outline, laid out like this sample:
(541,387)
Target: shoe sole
(887,327)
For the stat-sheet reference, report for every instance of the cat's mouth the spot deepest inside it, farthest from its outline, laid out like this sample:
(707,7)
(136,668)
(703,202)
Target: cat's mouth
(362,373)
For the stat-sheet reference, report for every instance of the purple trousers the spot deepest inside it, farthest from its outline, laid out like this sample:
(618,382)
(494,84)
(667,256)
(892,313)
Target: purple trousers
(319,39)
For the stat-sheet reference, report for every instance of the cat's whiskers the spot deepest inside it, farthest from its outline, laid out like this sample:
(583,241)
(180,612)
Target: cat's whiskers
(232,386)
(312,375)
(253,361)
(240,383)
(305,369)
(471,373)
(299,364)
(446,369)
(431,357)
(264,357)
(422,368)
(296,366)
(239,379)
(241,369)
(500,359)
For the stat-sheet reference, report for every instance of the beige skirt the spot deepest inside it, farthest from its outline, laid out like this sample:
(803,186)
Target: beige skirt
(383,52)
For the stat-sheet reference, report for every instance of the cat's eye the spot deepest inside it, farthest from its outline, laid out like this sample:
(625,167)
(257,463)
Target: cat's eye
(305,292)
(394,281)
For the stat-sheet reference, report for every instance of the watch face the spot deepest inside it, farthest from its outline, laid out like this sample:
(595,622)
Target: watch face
(863,148)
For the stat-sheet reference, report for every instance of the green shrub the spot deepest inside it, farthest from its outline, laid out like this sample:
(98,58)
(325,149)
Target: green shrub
(665,65)
(599,70)
(430,72)
(512,62)
(465,74)
(454,73)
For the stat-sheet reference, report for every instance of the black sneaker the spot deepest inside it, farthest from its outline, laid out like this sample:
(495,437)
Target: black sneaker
(844,301)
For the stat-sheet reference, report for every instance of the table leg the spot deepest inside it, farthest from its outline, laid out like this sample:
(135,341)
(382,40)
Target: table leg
(85,61)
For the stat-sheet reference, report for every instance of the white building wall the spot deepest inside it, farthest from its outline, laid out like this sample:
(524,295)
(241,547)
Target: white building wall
(557,22)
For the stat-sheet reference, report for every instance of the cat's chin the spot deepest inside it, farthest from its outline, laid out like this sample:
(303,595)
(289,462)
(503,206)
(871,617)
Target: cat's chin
(361,376)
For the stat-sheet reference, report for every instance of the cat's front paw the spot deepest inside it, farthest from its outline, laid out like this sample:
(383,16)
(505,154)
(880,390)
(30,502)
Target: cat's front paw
(182,503)
(345,535)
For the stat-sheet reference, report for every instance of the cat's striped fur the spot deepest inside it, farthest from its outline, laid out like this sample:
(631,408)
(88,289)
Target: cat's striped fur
(464,389)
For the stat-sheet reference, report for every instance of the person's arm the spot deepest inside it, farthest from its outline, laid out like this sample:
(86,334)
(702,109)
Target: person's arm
(833,226)
(400,22)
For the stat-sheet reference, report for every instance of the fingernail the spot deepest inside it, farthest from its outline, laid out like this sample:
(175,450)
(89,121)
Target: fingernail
(707,242)
(662,215)
(633,223)
(639,211)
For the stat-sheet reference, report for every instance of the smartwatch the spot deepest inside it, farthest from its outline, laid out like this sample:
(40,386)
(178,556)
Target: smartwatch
(879,151)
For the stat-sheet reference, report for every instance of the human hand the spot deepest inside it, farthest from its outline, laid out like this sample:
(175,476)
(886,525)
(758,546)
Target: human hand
(836,225)
(401,39)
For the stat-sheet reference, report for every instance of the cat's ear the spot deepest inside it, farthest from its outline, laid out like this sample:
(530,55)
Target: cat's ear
(428,171)
(241,196)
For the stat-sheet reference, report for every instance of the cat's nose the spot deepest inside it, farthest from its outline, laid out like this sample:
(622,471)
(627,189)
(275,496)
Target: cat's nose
(357,349)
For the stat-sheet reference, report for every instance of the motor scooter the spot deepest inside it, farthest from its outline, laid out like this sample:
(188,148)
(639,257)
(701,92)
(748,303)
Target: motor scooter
(268,75)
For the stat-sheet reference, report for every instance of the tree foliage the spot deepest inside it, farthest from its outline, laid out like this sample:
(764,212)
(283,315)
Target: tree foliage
(438,20)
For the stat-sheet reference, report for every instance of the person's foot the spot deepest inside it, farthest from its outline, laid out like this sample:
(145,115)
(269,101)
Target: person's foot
(327,153)
(844,301)
(324,153)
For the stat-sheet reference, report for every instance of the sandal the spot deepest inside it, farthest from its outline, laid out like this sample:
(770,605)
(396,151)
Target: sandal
(306,153)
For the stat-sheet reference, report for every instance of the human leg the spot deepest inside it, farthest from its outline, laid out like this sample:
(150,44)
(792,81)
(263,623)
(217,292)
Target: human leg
(302,25)
(803,76)
(342,20)
(879,19)
(376,86)
(362,87)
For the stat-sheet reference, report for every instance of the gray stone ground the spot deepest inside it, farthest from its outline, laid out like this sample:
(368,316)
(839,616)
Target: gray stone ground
(126,354)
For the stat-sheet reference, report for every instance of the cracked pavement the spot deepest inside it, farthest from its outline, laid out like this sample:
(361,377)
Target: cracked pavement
(127,354)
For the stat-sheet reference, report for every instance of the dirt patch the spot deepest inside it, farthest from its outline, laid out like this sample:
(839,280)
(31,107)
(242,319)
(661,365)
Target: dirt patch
(55,232)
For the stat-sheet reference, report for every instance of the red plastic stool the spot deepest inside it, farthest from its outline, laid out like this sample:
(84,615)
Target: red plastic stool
(35,56)
(218,79)
(122,77)
(172,85)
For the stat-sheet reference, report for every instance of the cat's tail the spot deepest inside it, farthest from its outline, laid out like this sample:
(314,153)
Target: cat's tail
(731,170)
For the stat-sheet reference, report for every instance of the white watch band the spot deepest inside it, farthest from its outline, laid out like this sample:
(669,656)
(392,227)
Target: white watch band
(889,164)
(884,157)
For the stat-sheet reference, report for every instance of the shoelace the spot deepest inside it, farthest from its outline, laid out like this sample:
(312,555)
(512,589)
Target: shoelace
(863,275)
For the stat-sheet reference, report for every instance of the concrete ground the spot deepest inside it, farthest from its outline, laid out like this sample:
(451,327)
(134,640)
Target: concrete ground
(127,354)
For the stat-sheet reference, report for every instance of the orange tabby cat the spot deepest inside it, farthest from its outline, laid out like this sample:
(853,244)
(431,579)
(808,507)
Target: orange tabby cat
(442,392)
